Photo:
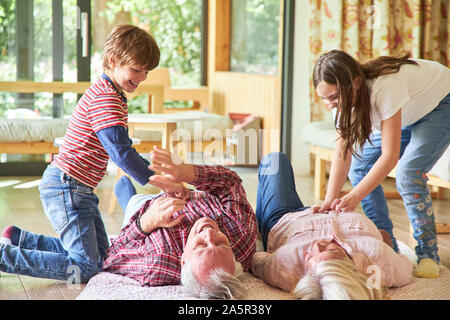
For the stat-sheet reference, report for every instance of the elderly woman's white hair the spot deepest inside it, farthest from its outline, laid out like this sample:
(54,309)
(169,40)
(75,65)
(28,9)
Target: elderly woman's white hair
(221,284)
(336,279)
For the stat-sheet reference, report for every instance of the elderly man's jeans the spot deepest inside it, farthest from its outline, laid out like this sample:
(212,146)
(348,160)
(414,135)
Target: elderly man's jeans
(128,199)
(422,144)
(72,209)
(276,193)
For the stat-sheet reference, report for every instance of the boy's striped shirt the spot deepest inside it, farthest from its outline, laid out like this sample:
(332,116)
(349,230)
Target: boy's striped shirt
(81,155)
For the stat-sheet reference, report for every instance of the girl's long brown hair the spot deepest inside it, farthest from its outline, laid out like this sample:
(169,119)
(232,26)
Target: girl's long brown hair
(339,68)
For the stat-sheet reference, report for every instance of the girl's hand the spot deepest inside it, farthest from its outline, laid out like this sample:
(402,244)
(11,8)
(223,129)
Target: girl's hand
(347,203)
(323,208)
(161,214)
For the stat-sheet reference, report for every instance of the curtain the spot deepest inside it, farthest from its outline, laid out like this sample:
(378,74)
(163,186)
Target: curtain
(369,28)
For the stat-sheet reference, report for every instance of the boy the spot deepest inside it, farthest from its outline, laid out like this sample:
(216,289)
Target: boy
(97,132)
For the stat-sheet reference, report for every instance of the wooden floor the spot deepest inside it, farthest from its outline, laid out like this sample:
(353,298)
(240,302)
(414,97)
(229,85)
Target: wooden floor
(20,205)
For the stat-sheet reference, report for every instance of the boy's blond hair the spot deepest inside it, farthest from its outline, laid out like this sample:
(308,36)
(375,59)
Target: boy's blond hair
(130,45)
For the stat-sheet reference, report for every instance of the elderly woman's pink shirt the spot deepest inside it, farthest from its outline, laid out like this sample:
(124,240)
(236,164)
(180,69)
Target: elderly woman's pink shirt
(293,236)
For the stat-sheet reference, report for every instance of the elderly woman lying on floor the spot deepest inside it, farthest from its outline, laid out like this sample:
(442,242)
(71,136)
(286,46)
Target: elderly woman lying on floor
(319,256)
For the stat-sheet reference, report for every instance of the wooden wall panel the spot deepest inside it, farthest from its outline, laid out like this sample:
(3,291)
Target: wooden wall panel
(256,94)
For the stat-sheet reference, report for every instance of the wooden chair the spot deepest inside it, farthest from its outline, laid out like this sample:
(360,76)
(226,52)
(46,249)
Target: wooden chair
(199,95)
(322,156)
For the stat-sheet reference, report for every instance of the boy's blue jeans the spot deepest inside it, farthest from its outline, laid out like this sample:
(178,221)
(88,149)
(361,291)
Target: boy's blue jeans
(276,194)
(72,209)
(422,144)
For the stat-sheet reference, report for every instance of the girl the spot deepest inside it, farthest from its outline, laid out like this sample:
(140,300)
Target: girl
(386,109)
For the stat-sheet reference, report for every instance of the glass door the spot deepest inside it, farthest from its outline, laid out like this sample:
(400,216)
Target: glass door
(42,41)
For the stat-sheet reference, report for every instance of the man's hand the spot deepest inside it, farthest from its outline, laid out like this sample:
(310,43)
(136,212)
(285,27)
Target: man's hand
(161,214)
(164,163)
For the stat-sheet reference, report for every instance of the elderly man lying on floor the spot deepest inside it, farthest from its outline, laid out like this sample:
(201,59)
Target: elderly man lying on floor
(319,255)
(192,237)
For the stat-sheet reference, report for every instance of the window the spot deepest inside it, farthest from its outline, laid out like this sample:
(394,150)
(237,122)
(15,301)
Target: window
(176,27)
(26,53)
(254,36)
(27,40)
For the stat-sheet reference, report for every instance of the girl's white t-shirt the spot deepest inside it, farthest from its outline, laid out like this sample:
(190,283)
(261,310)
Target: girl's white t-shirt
(416,89)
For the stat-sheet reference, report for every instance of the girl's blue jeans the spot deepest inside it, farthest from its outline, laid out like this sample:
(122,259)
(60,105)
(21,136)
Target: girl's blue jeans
(422,144)
(72,209)
(276,194)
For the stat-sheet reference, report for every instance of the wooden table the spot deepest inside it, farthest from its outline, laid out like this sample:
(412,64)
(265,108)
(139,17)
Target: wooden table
(166,123)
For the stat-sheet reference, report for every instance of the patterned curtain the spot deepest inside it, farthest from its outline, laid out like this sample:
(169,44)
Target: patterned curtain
(370,28)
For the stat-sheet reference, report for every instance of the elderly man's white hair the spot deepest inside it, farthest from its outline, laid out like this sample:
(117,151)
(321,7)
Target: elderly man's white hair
(335,280)
(221,284)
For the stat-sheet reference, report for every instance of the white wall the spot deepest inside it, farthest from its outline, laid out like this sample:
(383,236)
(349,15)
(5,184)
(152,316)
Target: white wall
(300,98)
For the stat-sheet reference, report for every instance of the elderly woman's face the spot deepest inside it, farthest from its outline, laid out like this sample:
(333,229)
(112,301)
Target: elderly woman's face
(207,248)
(323,250)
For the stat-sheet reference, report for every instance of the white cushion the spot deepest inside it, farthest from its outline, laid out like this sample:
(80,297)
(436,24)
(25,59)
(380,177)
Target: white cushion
(46,130)
(32,130)
(320,133)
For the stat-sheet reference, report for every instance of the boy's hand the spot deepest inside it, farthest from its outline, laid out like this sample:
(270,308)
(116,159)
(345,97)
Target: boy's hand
(164,163)
(161,214)
(173,189)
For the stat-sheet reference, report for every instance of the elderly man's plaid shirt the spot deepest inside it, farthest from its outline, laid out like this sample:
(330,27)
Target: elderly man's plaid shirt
(154,259)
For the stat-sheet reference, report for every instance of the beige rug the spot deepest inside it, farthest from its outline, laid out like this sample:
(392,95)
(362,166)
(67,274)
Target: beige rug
(108,286)
(424,289)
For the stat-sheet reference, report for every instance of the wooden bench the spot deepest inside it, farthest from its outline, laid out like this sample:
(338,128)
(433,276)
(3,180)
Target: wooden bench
(321,137)
(323,156)
(157,86)
(155,92)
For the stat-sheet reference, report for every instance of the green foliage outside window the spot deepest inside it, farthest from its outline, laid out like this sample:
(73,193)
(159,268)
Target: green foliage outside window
(175,24)
(254,36)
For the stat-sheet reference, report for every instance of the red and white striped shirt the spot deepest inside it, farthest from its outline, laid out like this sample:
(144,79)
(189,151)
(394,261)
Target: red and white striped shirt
(81,155)
(154,259)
